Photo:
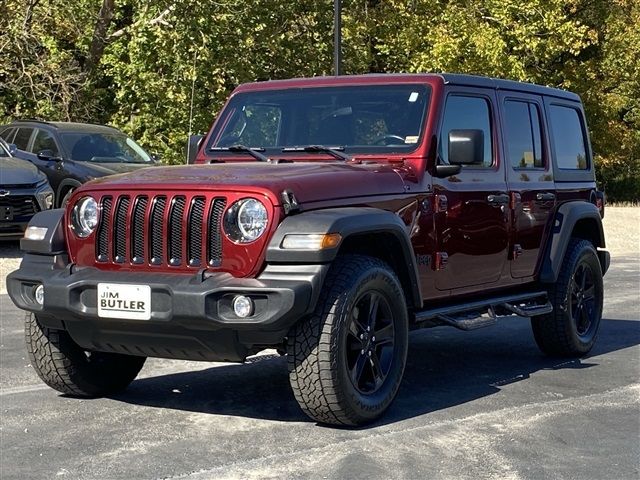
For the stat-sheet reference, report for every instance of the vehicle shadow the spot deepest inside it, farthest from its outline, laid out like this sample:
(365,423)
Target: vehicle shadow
(10,249)
(445,368)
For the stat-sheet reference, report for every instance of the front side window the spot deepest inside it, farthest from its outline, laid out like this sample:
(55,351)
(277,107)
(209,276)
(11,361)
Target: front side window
(464,112)
(523,136)
(367,118)
(568,138)
(44,141)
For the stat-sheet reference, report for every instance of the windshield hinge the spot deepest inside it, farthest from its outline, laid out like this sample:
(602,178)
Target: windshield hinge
(289,202)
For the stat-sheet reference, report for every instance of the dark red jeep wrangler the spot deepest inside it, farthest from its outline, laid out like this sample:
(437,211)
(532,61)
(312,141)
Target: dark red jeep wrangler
(327,218)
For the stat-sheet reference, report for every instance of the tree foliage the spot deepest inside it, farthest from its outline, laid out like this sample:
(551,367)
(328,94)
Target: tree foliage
(136,63)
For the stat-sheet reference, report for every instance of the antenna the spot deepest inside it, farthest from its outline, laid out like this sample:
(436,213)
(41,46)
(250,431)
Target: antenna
(337,36)
(193,89)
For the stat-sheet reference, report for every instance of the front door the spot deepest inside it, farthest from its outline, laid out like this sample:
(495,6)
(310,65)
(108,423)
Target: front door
(472,208)
(529,177)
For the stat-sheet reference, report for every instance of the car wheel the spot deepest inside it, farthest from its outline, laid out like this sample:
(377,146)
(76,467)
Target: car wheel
(577,298)
(65,366)
(66,198)
(347,360)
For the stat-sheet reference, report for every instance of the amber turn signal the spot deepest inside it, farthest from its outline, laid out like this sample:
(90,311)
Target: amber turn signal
(313,241)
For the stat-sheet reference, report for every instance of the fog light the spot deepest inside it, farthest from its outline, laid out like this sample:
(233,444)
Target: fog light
(38,294)
(242,306)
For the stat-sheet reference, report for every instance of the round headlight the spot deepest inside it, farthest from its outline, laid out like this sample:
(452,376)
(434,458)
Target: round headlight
(245,220)
(84,216)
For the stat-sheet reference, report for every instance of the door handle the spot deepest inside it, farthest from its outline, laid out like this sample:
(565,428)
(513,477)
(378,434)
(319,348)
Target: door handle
(545,197)
(499,199)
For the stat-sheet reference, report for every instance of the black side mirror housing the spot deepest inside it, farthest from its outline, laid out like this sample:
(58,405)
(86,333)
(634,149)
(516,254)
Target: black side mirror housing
(444,171)
(466,147)
(156,157)
(48,155)
(193,146)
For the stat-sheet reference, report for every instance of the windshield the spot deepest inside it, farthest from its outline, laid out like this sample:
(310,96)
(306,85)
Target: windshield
(368,119)
(104,148)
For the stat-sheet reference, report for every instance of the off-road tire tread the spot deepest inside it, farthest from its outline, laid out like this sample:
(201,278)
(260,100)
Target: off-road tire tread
(52,352)
(312,345)
(552,332)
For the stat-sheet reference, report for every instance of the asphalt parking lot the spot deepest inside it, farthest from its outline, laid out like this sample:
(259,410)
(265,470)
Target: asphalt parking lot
(483,404)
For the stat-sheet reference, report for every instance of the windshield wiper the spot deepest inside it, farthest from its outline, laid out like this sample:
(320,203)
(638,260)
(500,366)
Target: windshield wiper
(337,152)
(254,152)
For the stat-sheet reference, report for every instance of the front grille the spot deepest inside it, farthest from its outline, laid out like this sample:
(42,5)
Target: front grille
(19,205)
(162,230)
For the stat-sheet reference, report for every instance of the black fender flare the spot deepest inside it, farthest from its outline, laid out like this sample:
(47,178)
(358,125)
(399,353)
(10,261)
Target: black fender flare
(565,220)
(64,184)
(53,242)
(347,221)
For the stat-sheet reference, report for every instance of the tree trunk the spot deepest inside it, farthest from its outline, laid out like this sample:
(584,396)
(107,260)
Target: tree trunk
(99,39)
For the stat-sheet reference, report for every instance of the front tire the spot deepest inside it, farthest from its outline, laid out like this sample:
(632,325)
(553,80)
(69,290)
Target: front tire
(571,328)
(64,366)
(347,360)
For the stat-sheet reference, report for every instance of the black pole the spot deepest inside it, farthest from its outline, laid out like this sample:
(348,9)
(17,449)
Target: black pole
(337,36)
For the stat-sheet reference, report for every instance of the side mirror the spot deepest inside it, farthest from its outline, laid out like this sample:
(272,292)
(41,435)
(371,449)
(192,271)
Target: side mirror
(12,149)
(156,157)
(444,171)
(48,155)
(193,146)
(466,147)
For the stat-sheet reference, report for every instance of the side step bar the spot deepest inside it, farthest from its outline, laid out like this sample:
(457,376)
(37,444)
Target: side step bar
(483,313)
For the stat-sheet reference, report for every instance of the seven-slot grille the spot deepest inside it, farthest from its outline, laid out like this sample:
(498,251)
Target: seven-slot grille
(164,230)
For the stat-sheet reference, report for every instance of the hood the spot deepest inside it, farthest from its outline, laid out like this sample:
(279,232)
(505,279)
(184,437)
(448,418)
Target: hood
(14,171)
(309,181)
(98,169)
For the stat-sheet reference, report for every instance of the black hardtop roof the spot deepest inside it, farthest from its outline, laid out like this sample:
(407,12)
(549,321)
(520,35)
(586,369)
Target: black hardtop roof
(447,78)
(69,126)
(501,84)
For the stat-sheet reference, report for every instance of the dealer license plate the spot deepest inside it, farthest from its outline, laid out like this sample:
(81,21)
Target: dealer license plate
(132,302)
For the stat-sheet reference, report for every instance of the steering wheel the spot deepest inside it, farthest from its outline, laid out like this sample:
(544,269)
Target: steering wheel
(388,139)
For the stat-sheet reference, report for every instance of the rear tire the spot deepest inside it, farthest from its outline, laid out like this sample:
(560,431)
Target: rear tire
(347,360)
(65,366)
(577,297)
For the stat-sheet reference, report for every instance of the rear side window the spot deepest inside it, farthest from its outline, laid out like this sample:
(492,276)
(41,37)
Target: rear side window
(44,141)
(524,140)
(568,138)
(22,138)
(467,113)
(7,134)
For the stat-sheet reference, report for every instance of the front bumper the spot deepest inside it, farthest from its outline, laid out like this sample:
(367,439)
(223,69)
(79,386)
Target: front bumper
(191,315)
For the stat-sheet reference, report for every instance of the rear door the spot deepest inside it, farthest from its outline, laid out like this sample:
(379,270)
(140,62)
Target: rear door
(529,178)
(472,208)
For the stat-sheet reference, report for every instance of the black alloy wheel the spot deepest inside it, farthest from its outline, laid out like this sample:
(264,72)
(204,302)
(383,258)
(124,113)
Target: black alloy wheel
(370,342)
(583,299)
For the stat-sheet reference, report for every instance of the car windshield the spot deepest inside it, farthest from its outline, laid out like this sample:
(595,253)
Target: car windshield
(104,148)
(366,119)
